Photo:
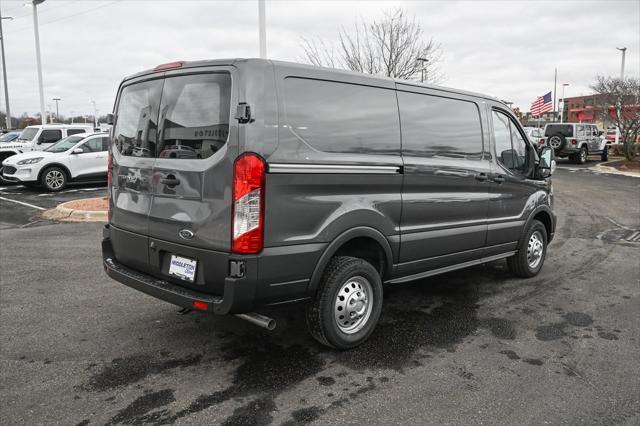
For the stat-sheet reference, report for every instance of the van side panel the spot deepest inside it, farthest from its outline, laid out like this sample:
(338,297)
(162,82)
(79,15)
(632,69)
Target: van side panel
(314,195)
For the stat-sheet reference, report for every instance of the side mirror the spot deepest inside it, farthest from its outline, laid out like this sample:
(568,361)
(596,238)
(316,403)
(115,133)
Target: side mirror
(601,132)
(77,151)
(111,118)
(547,164)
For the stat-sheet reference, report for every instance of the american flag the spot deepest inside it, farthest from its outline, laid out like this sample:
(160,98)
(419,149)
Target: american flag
(541,105)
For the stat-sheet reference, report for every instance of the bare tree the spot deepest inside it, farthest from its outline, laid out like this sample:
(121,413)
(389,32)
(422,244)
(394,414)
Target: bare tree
(390,46)
(624,96)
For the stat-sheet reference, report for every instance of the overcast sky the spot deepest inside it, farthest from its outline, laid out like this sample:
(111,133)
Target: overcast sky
(507,49)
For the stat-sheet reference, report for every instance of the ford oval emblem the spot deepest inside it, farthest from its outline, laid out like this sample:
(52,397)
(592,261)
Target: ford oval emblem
(185,234)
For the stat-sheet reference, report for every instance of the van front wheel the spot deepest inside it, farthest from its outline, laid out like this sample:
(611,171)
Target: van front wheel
(529,259)
(347,305)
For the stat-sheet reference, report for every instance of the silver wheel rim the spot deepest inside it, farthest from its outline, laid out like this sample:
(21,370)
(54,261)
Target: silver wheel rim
(555,142)
(353,305)
(54,179)
(583,155)
(535,250)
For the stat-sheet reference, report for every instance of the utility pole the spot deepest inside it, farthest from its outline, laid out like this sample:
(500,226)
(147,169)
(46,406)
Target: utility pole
(36,34)
(563,103)
(423,72)
(262,29)
(95,114)
(624,51)
(4,73)
(57,111)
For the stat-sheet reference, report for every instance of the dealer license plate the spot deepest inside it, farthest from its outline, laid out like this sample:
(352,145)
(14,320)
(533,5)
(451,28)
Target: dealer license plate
(183,267)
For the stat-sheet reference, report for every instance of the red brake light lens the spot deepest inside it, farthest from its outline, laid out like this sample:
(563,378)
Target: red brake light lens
(169,66)
(203,306)
(248,204)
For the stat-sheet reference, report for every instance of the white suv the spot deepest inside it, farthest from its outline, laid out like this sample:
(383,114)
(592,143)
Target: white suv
(79,157)
(576,141)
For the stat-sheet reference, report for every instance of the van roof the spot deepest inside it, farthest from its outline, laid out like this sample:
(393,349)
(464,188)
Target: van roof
(294,65)
(61,126)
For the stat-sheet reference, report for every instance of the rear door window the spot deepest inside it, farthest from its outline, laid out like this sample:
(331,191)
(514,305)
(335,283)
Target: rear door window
(92,145)
(194,116)
(137,119)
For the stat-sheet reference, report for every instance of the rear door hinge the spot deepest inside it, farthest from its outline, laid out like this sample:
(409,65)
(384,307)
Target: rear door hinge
(243,113)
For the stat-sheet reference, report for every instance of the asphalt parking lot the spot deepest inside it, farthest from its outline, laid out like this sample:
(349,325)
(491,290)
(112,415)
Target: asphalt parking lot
(469,347)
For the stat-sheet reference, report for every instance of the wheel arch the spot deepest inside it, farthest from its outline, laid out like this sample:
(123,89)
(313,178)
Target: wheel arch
(544,215)
(48,166)
(362,241)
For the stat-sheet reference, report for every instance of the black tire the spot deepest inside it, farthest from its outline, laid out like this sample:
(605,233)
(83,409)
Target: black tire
(520,263)
(323,311)
(557,142)
(605,154)
(581,156)
(54,179)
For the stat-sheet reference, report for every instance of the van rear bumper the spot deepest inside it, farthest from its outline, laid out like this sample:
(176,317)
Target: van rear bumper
(233,300)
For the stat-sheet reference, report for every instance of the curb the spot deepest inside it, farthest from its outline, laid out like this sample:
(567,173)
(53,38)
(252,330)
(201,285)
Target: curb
(64,214)
(603,168)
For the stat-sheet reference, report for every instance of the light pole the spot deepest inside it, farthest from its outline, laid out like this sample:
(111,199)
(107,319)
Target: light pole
(262,29)
(71,112)
(563,103)
(36,35)
(624,51)
(423,70)
(4,73)
(95,114)
(57,111)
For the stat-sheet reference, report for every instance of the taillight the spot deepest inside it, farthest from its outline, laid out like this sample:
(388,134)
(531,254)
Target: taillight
(573,141)
(169,66)
(541,142)
(248,204)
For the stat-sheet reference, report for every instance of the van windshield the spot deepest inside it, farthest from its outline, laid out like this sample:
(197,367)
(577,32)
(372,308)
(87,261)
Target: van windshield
(185,117)
(28,134)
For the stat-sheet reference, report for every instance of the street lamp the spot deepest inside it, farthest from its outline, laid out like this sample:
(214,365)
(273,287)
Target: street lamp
(624,51)
(36,35)
(95,113)
(563,102)
(57,111)
(423,70)
(4,72)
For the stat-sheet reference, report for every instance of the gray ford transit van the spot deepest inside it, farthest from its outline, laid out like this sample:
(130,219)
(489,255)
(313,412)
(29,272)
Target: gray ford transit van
(236,184)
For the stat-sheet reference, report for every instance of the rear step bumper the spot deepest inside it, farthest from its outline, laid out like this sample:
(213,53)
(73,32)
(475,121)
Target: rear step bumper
(233,301)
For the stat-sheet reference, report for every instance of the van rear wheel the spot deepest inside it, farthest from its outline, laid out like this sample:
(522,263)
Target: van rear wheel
(347,305)
(532,250)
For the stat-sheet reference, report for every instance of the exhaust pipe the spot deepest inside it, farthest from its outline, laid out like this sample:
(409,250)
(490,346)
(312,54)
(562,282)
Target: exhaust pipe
(259,320)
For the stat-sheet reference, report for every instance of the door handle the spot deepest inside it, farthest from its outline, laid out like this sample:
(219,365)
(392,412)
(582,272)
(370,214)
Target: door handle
(498,179)
(170,180)
(481,177)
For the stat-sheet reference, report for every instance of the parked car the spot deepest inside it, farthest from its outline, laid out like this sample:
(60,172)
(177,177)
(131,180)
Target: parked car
(304,191)
(40,137)
(576,141)
(76,158)
(535,135)
(9,136)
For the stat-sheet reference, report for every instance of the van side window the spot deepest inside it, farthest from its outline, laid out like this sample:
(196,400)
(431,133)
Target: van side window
(50,136)
(342,117)
(74,131)
(433,125)
(511,148)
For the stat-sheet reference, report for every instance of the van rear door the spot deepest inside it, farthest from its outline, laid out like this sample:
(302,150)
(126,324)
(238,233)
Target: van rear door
(172,168)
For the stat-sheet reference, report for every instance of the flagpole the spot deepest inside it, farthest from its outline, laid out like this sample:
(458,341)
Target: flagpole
(555,86)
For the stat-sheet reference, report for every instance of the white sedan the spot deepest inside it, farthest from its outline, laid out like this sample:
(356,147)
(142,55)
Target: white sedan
(78,158)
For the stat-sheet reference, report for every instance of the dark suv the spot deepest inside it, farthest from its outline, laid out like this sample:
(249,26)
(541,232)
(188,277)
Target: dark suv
(236,184)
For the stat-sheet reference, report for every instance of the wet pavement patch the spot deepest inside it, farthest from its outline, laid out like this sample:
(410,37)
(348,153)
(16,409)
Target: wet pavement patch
(578,319)
(132,369)
(304,416)
(510,354)
(402,332)
(134,412)
(267,371)
(533,361)
(257,412)
(607,335)
(550,332)
(325,381)
(500,328)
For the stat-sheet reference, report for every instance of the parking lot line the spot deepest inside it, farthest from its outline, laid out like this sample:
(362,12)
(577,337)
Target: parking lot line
(23,203)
